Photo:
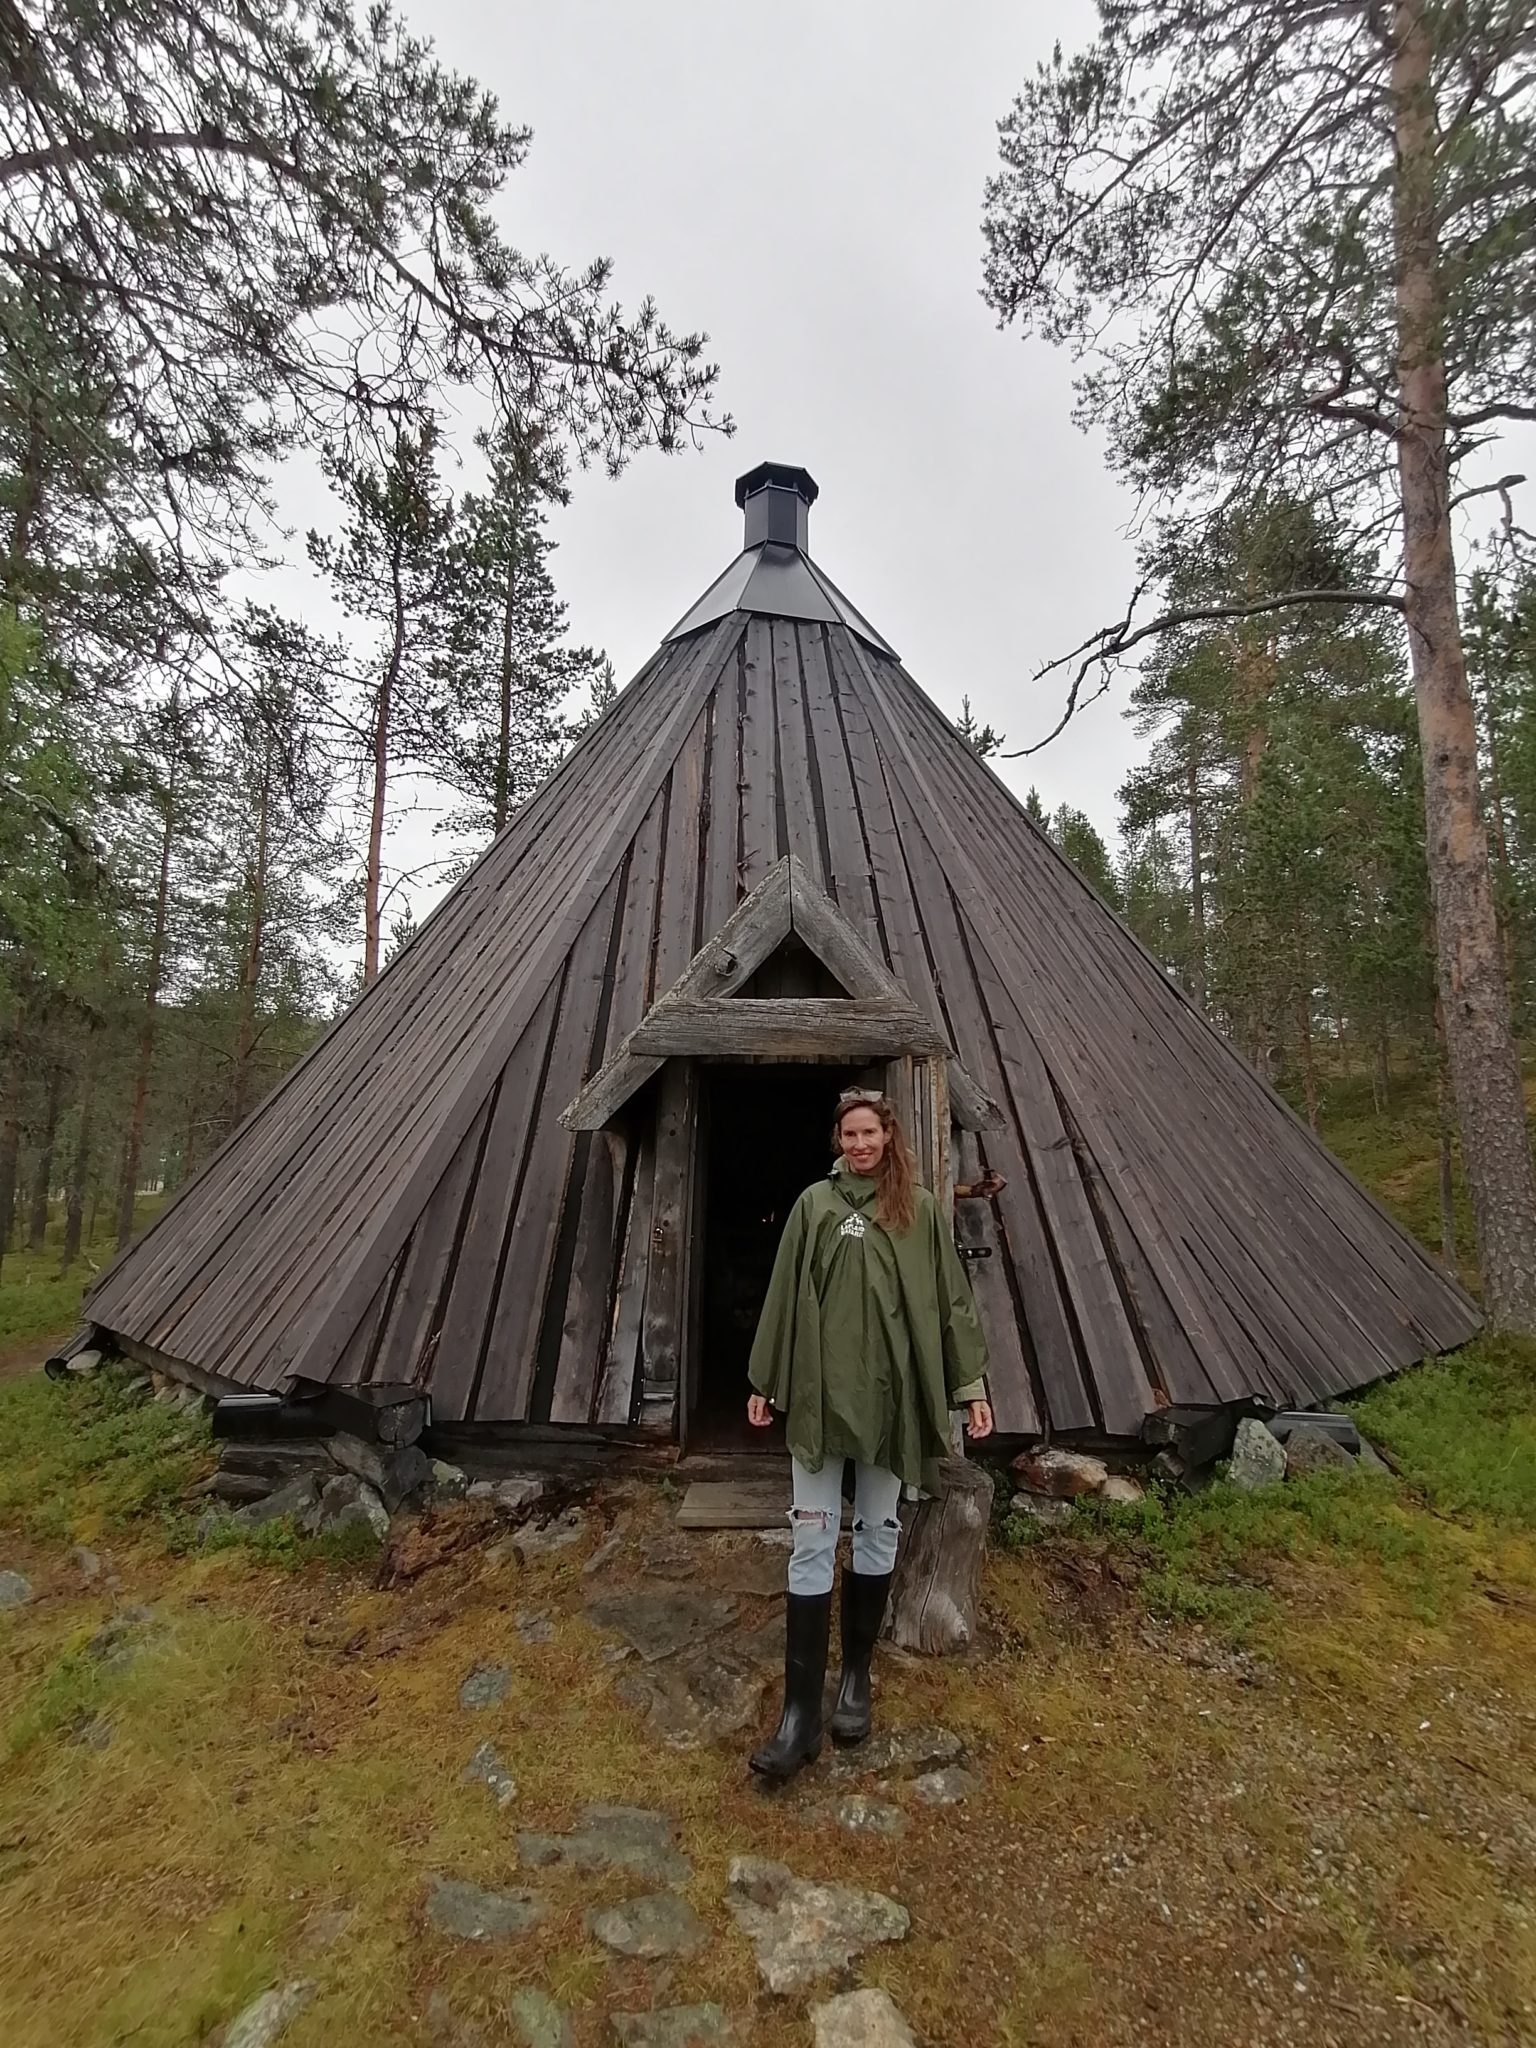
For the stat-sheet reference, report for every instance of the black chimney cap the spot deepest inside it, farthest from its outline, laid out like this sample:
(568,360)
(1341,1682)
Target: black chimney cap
(784,475)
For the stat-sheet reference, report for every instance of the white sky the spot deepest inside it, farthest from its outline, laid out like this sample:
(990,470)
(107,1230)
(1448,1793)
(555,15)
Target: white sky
(804,182)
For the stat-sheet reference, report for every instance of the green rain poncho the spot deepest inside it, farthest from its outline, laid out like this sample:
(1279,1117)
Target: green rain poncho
(867,1339)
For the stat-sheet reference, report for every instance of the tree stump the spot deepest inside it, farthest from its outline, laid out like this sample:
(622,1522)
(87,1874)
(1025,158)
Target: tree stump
(938,1570)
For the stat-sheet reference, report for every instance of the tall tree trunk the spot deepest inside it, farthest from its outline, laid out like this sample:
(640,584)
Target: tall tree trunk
(10,1121)
(1196,883)
(252,960)
(80,1165)
(42,1179)
(383,712)
(1381,1068)
(503,793)
(1485,1070)
(1444,1122)
(133,1149)
(1308,1051)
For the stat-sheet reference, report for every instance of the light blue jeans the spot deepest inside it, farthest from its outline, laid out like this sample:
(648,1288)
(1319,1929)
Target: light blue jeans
(817,1516)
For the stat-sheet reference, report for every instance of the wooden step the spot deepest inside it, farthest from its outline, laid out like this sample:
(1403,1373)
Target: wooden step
(739,1504)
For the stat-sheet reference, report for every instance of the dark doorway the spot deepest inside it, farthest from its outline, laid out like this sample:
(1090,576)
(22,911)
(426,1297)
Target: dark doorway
(766,1136)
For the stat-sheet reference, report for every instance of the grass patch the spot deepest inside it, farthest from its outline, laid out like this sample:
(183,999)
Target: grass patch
(80,1456)
(1463,1429)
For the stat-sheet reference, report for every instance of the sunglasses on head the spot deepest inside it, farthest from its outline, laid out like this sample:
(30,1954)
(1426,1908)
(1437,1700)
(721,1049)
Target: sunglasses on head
(850,1096)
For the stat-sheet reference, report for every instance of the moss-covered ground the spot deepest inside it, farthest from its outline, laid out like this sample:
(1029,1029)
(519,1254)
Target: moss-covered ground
(1254,1769)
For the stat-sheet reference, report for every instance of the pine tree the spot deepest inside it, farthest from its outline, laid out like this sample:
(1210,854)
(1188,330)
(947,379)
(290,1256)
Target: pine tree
(1296,244)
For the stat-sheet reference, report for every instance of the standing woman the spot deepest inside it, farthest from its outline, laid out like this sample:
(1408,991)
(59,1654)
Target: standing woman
(867,1339)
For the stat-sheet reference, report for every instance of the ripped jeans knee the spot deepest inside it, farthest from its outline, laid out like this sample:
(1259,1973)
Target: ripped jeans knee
(816,1518)
(814,1556)
(874,1544)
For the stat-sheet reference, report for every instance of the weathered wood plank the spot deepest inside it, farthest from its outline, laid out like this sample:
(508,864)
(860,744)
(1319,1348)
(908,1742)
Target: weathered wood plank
(616,1392)
(760,847)
(666,1294)
(737,1026)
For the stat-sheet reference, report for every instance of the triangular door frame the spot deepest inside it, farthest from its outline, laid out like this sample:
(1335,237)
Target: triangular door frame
(701,1015)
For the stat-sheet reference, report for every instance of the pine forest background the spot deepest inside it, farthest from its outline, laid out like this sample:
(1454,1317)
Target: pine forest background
(267,233)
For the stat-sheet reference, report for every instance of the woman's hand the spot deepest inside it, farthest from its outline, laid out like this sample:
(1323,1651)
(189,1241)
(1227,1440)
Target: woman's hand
(978,1419)
(759,1414)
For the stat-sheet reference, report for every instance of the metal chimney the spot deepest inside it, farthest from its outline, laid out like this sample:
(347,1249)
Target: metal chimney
(777,500)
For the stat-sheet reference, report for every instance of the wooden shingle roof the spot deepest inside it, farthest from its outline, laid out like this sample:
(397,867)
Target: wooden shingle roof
(407,1204)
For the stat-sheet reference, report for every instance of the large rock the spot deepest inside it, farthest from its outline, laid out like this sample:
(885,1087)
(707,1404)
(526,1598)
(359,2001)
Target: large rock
(394,1472)
(265,2018)
(660,1624)
(701,1697)
(293,1501)
(1064,1475)
(456,1907)
(346,1502)
(899,1751)
(671,2026)
(1258,1459)
(949,1787)
(1122,1490)
(15,1590)
(860,1814)
(537,2022)
(1041,1507)
(661,1924)
(1309,1449)
(486,1768)
(800,1930)
(629,1838)
(861,2019)
(486,1686)
(557,1532)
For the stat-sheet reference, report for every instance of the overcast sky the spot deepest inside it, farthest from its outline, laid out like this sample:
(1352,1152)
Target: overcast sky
(804,182)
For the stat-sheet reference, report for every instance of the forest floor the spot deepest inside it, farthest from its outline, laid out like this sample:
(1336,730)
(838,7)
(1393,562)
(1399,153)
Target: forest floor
(1238,1768)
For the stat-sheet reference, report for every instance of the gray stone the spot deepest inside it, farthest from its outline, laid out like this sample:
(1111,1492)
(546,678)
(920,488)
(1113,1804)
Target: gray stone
(536,1628)
(295,1500)
(1372,1459)
(603,1556)
(346,1501)
(671,2026)
(670,1556)
(946,1788)
(629,1838)
(15,1591)
(860,1814)
(1257,1458)
(486,1686)
(393,1471)
(84,1363)
(697,1698)
(1041,1507)
(517,1495)
(1062,1474)
(1308,1450)
(1121,1489)
(463,1909)
(119,1640)
(861,2019)
(540,1539)
(446,1482)
(268,2016)
(801,1930)
(485,1767)
(901,1750)
(86,1563)
(659,1624)
(325,1926)
(759,1574)
(661,1924)
(537,2022)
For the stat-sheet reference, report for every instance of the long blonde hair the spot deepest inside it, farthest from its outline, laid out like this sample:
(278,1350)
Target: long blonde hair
(896,1175)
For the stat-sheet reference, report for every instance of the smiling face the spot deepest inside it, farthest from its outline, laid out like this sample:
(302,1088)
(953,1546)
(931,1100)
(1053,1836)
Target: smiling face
(862,1138)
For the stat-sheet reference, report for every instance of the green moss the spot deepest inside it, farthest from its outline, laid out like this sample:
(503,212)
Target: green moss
(1463,1429)
(79,1455)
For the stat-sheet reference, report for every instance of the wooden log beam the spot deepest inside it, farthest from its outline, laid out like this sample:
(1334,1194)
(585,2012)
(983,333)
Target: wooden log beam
(833,1026)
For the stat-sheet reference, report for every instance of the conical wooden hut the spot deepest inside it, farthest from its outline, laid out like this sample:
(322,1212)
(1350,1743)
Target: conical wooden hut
(539,1168)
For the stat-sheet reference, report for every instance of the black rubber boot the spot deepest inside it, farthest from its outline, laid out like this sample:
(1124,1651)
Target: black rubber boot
(864,1597)
(807,1624)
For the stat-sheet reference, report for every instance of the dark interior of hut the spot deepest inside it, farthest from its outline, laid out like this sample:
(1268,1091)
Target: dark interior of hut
(765,1137)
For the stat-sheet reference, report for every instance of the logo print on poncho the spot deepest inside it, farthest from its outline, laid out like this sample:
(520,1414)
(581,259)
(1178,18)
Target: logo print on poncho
(853,1226)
